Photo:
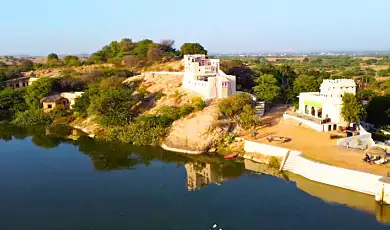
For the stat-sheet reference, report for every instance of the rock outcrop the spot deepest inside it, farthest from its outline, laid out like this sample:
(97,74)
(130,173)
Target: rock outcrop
(195,133)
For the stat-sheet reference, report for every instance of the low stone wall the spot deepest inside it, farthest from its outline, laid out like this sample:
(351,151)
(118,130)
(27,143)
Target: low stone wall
(264,149)
(312,125)
(362,141)
(339,177)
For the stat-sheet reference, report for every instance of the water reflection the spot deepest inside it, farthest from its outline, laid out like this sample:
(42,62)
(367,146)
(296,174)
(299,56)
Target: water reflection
(200,174)
(201,170)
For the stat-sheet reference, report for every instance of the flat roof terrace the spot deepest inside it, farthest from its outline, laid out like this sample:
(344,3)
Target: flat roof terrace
(314,145)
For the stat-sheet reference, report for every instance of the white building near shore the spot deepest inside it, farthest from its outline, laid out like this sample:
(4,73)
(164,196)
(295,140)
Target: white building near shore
(205,77)
(322,110)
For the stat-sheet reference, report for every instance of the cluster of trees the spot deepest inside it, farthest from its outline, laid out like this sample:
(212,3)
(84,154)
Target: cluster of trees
(139,53)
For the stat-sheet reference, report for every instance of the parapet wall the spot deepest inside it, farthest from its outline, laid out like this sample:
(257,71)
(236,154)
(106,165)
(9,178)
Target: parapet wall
(311,124)
(339,177)
(268,150)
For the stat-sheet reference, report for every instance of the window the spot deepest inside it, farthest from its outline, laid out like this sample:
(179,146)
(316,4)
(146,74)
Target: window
(17,85)
(49,106)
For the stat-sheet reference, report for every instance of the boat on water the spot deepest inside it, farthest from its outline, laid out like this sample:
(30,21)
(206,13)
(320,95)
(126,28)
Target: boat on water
(231,156)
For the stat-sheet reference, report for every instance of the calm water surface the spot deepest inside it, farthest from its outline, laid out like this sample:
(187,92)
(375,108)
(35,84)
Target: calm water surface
(49,183)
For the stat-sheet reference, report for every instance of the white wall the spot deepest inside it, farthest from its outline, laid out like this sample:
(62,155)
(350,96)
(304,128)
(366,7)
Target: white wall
(365,138)
(267,150)
(335,176)
(202,87)
(312,125)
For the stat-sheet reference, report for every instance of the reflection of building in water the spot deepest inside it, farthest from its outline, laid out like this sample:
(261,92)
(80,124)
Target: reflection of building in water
(329,193)
(350,198)
(200,174)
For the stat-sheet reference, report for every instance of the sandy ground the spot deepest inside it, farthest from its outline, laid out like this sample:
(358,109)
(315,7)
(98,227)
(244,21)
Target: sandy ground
(314,145)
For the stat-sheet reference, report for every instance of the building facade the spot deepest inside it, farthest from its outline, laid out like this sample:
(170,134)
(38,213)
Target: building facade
(21,82)
(66,100)
(205,77)
(327,103)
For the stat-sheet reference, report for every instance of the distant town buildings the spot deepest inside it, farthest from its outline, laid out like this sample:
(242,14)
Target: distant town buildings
(205,77)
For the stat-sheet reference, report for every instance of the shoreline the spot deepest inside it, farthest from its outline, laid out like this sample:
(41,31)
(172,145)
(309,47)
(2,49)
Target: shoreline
(293,161)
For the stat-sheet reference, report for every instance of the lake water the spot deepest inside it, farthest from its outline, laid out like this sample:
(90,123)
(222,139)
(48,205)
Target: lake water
(49,183)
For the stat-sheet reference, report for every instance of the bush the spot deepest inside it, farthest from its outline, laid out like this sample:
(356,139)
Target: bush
(274,163)
(198,103)
(248,117)
(145,130)
(158,96)
(234,105)
(114,106)
(225,140)
(59,111)
(32,117)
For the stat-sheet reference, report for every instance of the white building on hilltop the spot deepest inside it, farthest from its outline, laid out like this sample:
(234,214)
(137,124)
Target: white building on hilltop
(324,108)
(205,77)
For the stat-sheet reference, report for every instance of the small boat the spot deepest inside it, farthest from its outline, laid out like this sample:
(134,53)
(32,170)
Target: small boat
(231,156)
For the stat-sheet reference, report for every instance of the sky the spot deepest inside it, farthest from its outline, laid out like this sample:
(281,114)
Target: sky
(40,27)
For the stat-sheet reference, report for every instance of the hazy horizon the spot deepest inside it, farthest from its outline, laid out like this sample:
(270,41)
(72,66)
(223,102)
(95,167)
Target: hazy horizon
(74,27)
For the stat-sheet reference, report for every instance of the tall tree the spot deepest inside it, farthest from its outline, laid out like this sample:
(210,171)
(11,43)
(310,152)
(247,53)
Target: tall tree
(304,83)
(352,109)
(267,88)
(192,48)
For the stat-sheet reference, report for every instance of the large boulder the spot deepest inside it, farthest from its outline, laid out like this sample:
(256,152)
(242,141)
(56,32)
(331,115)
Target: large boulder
(195,133)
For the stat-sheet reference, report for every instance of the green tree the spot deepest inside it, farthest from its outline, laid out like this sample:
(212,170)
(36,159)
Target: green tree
(71,60)
(305,83)
(267,88)
(377,111)
(192,48)
(52,57)
(352,109)
(38,90)
(12,100)
(142,47)
(114,106)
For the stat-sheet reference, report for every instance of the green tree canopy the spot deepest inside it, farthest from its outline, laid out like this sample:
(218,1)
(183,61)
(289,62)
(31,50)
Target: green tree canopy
(352,109)
(71,60)
(192,48)
(266,88)
(378,111)
(12,100)
(114,106)
(52,57)
(38,90)
(305,83)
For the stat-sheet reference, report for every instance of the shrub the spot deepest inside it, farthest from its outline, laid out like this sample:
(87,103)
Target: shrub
(32,117)
(225,139)
(114,106)
(145,130)
(234,105)
(158,96)
(274,163)
(198,103)
(12,100)
(112,83)
(248,117)
(59,111)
